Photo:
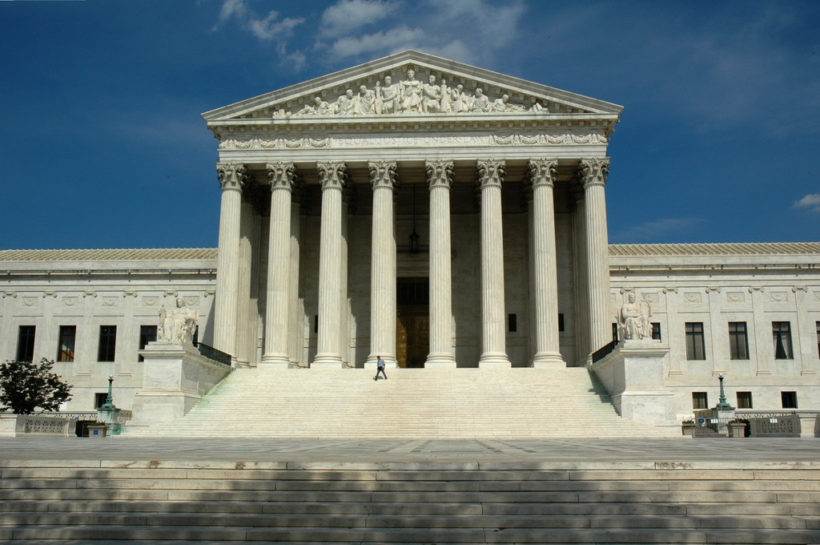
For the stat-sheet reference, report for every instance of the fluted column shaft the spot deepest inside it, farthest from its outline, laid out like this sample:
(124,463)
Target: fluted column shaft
(440,179)
(332,176)
(282,177)
(383,176)
(593,174)
(296,335)
(493,340)
(547,349)
(232,177)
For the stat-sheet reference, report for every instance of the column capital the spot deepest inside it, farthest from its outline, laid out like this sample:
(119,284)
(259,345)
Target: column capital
(281,175)
(490,172)
(383,174)
(593,171)
(231,175)
(439,173)
(333,175)
(542,172)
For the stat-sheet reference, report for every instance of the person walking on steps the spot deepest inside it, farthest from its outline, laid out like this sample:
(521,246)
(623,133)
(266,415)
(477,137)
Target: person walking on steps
(380,368)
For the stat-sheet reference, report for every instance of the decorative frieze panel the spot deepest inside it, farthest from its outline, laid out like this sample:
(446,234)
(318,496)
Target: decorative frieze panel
(545,138)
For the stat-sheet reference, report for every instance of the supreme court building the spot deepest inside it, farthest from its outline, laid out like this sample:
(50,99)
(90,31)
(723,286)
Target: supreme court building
(441,216)
(422,210)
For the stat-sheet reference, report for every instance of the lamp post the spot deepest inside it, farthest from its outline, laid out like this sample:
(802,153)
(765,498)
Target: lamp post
(108,412)
(722,403)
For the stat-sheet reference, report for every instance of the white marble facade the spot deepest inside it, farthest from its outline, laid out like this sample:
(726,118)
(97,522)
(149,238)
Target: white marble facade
(502,180)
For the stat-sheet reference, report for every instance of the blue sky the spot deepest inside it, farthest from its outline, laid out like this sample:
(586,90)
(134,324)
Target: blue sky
(102,140)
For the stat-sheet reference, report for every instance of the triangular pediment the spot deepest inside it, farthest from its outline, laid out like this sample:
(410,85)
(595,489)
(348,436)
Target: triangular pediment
(412,84)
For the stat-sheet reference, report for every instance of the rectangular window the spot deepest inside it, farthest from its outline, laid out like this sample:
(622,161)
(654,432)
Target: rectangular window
(817,324)
(656,331)
(512,323)
(788,400)
(148,334)
(695,348)
(25,343)
(782,336)
(699,400)
(744,400)
(738,341)
(108,343)
(99,399)
(65,345)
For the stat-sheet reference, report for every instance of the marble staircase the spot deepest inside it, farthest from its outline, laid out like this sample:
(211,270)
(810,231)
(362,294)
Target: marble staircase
(110,502)
(412,403)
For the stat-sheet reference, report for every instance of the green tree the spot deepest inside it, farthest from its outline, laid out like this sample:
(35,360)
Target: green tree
(26,385)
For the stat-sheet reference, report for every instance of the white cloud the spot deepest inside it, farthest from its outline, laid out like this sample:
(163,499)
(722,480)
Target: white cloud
(810,201)
(655,230)
(396,39)
(269,28)
(349,15)
(466,30)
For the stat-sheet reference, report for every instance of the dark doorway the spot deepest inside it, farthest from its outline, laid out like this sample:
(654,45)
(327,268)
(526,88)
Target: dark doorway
(412,321)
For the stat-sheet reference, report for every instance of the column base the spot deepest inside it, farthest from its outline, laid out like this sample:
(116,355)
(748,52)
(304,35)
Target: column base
(548,360)
(327,361)
(440,361)
(277,361)
(494,360)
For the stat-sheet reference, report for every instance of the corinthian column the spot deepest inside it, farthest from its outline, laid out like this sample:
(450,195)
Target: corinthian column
(232,177)
(493,339)
(542,174)
(593,174)
(332,176)
(440,179)
(383,265)
(282,177)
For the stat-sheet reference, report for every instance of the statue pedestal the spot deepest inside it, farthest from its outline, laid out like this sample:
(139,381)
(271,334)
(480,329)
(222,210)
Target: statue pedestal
(175,377)
(633,374)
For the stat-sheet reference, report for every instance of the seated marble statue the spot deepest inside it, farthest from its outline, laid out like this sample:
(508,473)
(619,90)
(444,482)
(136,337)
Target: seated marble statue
(633,319)
(177,325)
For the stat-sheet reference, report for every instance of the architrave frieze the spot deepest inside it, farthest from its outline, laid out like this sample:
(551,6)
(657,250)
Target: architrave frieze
(240,144)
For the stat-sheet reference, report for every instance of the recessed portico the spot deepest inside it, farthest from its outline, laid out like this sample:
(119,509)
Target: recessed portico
(505,201)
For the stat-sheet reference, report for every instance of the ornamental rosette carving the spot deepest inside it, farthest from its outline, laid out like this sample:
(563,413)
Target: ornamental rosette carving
(491,173)
(383,174)
(281,175)
(543,172)
(439,173)
(231,175)
(593,171)
(333,175)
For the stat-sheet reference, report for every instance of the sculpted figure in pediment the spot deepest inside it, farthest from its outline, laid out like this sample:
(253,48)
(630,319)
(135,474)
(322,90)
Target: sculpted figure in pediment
(480,102)
(366,101)
(457,99)
(539,108)
(387,97)
(411,93)
(432,96)
(446,105)
(346,104)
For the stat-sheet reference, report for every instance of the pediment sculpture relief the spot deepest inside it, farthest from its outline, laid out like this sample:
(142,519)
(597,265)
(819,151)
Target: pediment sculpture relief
(411,95)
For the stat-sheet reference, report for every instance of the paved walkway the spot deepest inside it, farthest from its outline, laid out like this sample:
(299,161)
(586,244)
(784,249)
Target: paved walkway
(714,451)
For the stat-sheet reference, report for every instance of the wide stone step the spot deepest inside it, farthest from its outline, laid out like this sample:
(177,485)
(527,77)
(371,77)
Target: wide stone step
(412,535)
(422,403)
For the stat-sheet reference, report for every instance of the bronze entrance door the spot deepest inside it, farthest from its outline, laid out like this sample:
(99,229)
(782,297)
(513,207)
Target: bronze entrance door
(412,322)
